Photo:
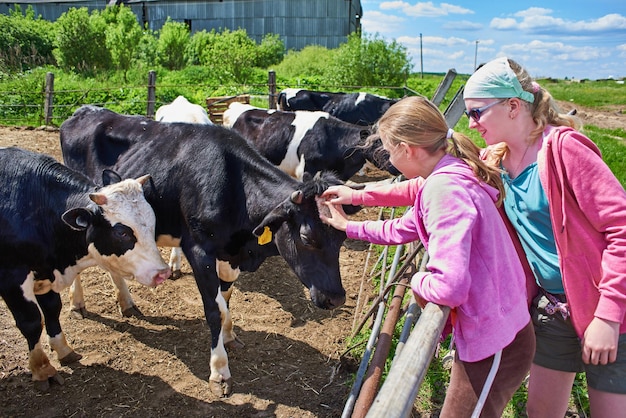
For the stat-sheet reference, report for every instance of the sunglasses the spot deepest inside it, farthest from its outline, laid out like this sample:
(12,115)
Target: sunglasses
(477,112)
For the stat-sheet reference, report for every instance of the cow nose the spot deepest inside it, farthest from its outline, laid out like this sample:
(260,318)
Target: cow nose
(162,275)
(335,302)
(325,301)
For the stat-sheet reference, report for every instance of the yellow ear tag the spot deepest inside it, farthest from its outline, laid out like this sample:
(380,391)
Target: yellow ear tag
(266,236)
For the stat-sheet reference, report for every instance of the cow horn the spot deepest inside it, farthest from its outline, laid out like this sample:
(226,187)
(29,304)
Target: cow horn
(296,197)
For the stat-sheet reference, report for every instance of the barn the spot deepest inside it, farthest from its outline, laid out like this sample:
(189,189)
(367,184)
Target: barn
(298,22)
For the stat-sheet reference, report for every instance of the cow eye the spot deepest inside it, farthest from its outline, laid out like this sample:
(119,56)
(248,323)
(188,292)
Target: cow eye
(308,241)
(121,233)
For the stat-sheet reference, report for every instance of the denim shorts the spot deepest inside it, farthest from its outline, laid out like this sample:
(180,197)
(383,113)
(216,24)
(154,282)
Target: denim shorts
(559,348)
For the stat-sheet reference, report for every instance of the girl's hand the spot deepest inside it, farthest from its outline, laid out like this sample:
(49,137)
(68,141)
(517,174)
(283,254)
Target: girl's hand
(600,342)
(335,217)
(338,195)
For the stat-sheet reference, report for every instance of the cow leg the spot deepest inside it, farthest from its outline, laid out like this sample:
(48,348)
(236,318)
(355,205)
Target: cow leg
(176,261)
(77,299)
(50,304)
(205,274)
(227,276)
(19,297)
(124,299)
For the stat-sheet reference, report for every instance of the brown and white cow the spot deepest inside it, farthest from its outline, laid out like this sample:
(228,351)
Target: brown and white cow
(54,223)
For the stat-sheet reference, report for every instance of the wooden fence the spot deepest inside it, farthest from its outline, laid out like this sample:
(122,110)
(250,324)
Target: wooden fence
(51,107)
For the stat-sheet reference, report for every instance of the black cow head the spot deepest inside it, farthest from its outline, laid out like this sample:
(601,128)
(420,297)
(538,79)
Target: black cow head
(310,247)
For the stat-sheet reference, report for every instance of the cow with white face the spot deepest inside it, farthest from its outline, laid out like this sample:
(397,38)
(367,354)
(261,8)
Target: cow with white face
(54,223)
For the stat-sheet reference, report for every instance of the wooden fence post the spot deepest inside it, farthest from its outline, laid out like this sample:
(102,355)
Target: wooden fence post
(444,86)
(151,93)
(48,99)
(455,109)
(396,396)
(272,89)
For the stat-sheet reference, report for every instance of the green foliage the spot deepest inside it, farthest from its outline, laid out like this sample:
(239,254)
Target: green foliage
(81,41)
(597,94)
(25,41)
(308,65)
(171,45)
(230,55)
(123,34)
(271,51)
(370,61)
(612,144)
(146,54)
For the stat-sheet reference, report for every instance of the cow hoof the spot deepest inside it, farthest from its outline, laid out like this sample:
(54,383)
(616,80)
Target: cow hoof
(221,389)
(176,274)
(72,357)
(78,313)
(44,385)
(235,344)
(41,385)
(132,311)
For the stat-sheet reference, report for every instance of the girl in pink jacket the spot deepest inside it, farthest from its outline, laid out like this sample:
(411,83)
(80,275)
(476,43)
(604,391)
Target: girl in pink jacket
(473,266)
(569,213)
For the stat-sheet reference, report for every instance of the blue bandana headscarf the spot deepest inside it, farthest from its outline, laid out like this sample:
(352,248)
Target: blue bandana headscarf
(495,80)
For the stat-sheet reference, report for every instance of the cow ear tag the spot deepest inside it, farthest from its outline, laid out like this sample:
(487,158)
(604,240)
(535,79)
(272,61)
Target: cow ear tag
(266,236)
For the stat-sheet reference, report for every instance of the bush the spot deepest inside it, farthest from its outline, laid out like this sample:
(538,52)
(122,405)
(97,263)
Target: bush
(25,42)
(271,51)
(171,45)
(122,36)
(370,61)
(81,41)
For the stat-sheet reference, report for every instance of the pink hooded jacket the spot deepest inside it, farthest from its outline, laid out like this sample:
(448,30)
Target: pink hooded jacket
(588,212)
(473,266)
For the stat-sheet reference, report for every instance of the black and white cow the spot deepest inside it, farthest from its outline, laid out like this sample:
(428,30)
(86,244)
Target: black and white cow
(358,108)
(180,110)
(54,223)
(216,197)
(307,142)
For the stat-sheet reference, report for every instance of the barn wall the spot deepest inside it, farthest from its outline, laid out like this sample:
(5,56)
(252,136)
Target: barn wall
(298,22)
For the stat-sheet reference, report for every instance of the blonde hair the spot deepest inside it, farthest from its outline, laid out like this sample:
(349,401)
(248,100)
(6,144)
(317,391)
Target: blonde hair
(417,121)
(544,111)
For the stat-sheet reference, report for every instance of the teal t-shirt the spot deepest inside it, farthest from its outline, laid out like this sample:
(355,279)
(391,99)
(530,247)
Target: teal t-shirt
(526,205)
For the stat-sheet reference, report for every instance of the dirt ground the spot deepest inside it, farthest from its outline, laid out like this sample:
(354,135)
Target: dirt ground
(157,365)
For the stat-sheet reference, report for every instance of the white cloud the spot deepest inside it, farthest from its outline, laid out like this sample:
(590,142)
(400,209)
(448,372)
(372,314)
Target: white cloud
(425,9)
(503,23)
(538,20)
(377,22)
(462,25)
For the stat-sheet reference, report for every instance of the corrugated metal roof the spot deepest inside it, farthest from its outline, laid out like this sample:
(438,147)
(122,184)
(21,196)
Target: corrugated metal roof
(298,22)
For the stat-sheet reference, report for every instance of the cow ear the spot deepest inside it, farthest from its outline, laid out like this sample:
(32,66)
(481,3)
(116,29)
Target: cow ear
(273,220)
(110,177)
(78,218)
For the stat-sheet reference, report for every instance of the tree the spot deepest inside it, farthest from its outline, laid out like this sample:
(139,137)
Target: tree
(231,55)
(122,37)
(25,41)
(370,61)
(81,41)
(172,43)
(271,51)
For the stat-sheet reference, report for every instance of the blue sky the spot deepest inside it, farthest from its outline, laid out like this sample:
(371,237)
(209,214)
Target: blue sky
(550,38)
